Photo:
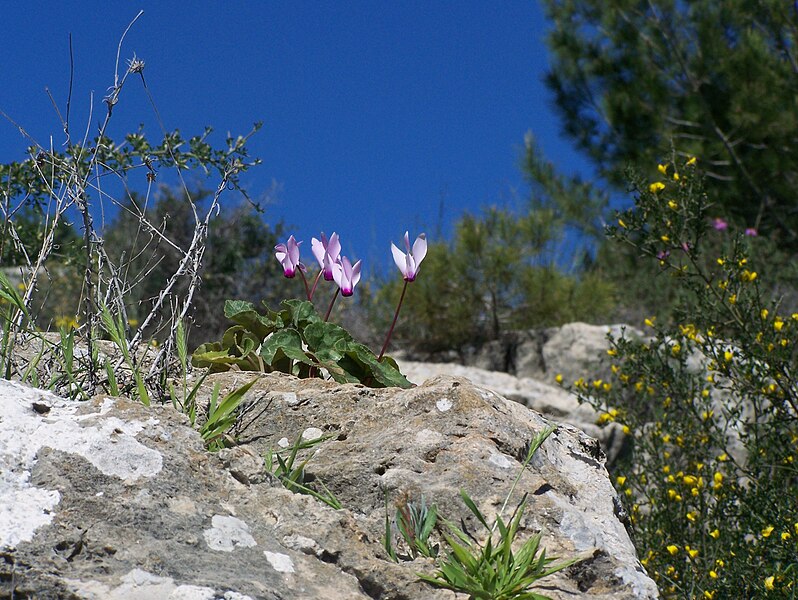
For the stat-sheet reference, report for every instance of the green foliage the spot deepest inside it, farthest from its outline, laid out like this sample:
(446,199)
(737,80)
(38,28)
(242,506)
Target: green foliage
(493,570)
(222,416)
(710,403)
(415,522)
(718,79)
(294,340)
(115,328)
(293,477)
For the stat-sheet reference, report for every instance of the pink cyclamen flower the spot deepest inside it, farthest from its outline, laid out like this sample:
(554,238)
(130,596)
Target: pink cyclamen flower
(409,262)
(288,255)
(346,275)
(720,224)
(327,253)
(751,232)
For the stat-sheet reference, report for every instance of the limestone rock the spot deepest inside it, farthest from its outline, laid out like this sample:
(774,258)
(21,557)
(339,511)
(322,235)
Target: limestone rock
(550,400)
(574,350)
(108,499)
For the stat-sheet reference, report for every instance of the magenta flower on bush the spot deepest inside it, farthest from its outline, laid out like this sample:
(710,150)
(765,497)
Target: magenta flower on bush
(346,275)
(288,255)
(408,262)
(720,224)
(751,231)
(327,253)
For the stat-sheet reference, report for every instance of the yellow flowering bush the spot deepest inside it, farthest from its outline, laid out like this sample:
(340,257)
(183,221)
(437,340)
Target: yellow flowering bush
(710,404)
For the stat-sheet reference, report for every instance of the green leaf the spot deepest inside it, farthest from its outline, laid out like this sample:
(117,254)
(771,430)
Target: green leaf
(302,312)
(243,313)
(289,343)
(473,508)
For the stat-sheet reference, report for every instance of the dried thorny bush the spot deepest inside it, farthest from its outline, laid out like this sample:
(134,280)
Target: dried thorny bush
(67,279)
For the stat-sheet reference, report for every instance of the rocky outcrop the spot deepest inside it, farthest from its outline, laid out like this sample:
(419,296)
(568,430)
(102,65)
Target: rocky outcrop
(108,499)
(574,350)
(549,400)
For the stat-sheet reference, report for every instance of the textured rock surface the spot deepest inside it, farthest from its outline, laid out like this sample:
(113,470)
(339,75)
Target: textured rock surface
(575,350)
(109,499)
(549,400)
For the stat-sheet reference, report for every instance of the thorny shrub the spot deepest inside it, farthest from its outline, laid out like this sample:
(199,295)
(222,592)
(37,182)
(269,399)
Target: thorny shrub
(709,403)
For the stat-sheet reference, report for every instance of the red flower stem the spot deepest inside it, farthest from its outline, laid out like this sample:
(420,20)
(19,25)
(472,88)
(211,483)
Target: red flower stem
(315,283)
(305,281)
(329,309)
(393,324)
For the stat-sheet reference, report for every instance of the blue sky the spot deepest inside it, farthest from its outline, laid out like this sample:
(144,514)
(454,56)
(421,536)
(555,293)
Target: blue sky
(376,114)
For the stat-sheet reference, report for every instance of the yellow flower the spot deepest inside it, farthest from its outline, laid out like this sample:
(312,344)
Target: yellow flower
(691,162)
(612,352)
(621,223)
(691,516)
(656,187)
(778,324)
(723,457)
(621,479)
(676,176)
(672,205)
(764,313)
(769,583)
(733,299)
(627,430)
(650,321)
(558,378)
(728,355)
(709,595)
(748,275)
(662,169)
(707,414)
(713,574)
(715,534)
(689,480)
(674,550)
(691,551)
(673,495)
(767,531)
(665,238)
(785,535)
(676,349)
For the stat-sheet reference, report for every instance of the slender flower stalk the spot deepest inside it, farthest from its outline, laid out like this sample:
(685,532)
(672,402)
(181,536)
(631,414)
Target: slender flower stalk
(313,289)
(329,308)
(393,323)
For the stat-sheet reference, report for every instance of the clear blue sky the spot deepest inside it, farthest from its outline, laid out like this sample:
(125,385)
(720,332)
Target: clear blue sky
(374,112)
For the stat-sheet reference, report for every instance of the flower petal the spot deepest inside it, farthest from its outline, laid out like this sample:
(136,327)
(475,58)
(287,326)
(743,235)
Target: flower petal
(400,258)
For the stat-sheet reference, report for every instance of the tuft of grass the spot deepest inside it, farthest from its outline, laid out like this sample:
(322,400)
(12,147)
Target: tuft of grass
(493,570)
(292,475)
